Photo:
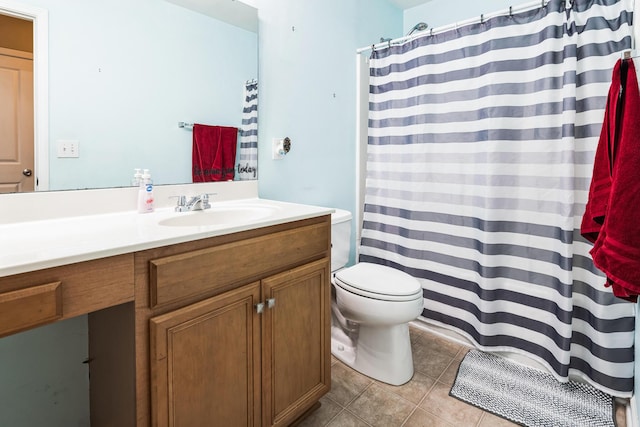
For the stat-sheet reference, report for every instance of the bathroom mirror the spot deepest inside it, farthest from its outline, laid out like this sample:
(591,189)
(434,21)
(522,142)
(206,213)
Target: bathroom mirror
(122,75)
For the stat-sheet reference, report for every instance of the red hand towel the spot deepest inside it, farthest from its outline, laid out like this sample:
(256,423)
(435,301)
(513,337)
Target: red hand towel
(600,188)
(614,196)
(214,153)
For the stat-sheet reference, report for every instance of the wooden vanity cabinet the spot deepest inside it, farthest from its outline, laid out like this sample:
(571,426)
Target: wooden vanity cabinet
(101,288)
(44,296)
(296,349)
(227,331)
(238,328)
(205,362)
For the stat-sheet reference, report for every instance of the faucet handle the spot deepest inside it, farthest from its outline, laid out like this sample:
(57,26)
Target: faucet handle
(182,203)
(205,200)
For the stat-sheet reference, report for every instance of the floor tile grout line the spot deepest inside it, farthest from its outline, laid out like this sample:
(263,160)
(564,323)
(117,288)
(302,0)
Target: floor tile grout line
(377,383)
(330,420)
(344,408)
(444,371)
(409,417)
(371,381)
(363,390)
(436,381)
(415,408)
(484,413)
(349,412)
(357,416)
(414,405)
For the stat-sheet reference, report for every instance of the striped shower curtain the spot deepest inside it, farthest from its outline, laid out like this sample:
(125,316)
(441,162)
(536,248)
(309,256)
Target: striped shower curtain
(247,157)
(480,154)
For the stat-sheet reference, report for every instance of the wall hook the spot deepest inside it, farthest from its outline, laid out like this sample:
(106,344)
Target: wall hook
(281,146)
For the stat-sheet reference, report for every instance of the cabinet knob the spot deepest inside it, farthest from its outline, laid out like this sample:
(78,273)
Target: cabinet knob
(259,307)
(271,302)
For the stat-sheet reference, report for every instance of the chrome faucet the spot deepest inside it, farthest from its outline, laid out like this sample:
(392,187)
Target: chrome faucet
(195,203)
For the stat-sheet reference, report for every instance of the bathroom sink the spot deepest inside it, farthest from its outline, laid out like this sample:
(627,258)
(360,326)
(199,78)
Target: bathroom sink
(219,215)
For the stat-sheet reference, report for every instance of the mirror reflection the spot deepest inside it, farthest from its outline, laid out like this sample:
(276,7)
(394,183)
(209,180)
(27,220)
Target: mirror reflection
(121,77)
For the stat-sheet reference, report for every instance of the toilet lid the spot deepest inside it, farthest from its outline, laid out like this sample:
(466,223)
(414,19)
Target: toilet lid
(378,279)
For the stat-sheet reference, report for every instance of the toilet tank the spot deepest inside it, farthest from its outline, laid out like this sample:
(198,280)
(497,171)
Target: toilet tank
(340,238)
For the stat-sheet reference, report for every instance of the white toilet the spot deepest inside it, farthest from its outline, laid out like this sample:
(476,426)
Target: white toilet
(371,307)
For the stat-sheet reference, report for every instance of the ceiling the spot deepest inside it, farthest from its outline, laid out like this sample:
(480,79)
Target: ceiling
(238,13)
(407,4)
(243,13)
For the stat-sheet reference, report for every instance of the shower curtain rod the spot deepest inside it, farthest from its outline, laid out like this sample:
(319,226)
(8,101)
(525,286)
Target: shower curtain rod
(510,11)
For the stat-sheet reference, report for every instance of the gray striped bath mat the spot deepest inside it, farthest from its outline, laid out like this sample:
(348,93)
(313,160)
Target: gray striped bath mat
(528,396)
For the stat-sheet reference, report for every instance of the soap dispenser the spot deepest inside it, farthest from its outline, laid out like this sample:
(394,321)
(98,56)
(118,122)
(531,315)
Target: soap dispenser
(137,177)
(145,193)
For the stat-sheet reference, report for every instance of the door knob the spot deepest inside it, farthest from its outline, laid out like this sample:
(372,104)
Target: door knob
(27,172)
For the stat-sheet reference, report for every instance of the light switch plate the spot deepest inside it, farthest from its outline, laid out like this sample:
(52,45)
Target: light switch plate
(68,148)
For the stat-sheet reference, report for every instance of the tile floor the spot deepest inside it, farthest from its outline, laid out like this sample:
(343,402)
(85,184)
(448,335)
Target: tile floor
(356,400)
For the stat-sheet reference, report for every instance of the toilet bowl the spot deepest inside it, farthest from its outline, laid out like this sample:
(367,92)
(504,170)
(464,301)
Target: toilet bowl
(371,307)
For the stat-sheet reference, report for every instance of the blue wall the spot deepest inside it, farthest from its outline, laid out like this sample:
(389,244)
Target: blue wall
(308,93)
(44,380)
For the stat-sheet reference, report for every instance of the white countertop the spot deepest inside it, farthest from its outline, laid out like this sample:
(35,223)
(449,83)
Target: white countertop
(43,243)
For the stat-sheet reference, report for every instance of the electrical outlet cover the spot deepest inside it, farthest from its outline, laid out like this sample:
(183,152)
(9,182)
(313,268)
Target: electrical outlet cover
(278,149)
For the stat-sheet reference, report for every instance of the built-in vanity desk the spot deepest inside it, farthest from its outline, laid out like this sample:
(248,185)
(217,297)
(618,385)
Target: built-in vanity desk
(188,325)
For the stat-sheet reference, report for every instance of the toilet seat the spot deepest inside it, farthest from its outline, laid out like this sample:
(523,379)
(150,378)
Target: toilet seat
(378,282)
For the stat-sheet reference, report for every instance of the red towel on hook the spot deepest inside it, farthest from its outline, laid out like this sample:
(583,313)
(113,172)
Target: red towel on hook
(600,188)
(611,217)
(214,153)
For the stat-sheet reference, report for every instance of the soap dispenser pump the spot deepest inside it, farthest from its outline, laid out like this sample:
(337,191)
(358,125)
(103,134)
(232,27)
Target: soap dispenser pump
(137,177)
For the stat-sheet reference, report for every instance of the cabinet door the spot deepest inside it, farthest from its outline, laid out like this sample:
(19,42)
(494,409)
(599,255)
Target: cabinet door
(296,342)
(205,362)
